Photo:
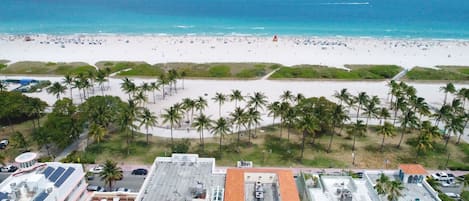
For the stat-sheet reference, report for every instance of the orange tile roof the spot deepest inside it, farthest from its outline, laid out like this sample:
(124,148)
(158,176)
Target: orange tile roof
(413,169)
(234,185)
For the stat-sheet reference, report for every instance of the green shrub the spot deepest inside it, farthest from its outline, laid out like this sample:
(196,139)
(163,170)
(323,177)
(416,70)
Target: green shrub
(219,71)
(257,71)
(51,64)
(45,159)
(465,195)
(2,66)
(419,73)
(444,197)
(142,70)
(182,147)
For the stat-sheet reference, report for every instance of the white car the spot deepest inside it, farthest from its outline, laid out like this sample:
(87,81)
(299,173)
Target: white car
(97,169)
(440,176)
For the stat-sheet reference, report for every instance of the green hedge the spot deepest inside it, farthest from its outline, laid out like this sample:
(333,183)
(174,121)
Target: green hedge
(323,72)
(419,73)
(219,71)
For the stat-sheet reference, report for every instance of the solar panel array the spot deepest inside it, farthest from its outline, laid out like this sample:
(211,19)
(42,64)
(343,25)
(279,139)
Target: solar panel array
(41,197)
(48,171)
(3,196)
(56,174)
(64,177)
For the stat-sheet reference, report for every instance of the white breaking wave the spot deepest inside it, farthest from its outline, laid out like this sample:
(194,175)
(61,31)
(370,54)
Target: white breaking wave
(346,3)
(258,28)
(184,26)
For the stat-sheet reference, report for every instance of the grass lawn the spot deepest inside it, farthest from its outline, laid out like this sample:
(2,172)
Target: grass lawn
(3,64)
(6,133)
(192,70)
(268,150)
(357,72)
(50,68)
(446,73)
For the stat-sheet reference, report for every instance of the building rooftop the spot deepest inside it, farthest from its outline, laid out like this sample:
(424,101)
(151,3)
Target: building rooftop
(41,181)
(181,177)
(337,187)
(411,191)
(414,169)
(277,184)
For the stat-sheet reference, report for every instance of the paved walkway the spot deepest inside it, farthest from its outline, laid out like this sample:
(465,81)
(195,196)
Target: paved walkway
(79,144)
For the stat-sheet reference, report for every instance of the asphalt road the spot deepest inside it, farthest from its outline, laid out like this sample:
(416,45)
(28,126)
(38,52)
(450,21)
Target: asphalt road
(132,182)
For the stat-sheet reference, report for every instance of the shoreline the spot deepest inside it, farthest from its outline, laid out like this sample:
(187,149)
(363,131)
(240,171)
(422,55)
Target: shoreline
(236,35)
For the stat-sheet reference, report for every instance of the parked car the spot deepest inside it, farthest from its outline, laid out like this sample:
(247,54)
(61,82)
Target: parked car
(3,143)
(124,190)
(95,188)
(97,169)
(8,168)
(453,195)
(441,176)
(140,171)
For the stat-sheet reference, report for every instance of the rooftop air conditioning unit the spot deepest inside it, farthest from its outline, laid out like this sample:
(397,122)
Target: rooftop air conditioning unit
(244,164)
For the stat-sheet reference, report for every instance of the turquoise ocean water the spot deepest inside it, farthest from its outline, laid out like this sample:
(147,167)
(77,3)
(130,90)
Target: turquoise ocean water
(446,19)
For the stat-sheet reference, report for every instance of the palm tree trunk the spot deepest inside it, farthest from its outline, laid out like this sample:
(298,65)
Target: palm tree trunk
(281,125)
(358,111)
(330,143)
(219,110)
(147,136)
(172,140)
(390,104)
(447,140)
(221,136)
(154,99)
(303,144)
(203,143)
(128,144)
(249,134)
(367,118)
(395,117)
(239,133)
(288,133)
(402,136)
(446,96)
(71,95)
(353,146)
(382,143)
(460,135)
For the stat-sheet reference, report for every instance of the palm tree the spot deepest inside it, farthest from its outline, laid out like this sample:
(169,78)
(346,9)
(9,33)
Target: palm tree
(307,124)
(343,95)
(3,86)
(356,129)
(401,104)
(409,120)
(128,87)
(383,114)
(97,132)
(394,190)
(287,96)
(107,71)
(100,79)
(387,130)
(252,117)
(463,94)
(381,184)
(464,180)
(183,75)
(236,96)
(145,87)
(220,99)
(221,128)
(258,100)
(148,119)
(200,104)
(361,99)
(68,80)
(274,110)
(172,116)
(454,125)
(284,107)
(289,116)
(371,108)
(237,117)
(465,117)
(56,89)
(111,172)
(449,88)
(173,75)
(140,98)
(202,122)
(339,116)
(443,113)
(153,87)
(425,139)
(90,74)
(162,81)
(299,97)
(393,88)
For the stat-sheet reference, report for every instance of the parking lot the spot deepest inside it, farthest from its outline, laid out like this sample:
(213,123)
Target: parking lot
(132,182)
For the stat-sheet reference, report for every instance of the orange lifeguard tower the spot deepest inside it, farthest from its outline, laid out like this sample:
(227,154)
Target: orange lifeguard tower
(275,39)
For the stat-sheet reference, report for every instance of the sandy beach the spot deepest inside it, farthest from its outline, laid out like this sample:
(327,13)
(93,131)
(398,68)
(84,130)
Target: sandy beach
(201,49)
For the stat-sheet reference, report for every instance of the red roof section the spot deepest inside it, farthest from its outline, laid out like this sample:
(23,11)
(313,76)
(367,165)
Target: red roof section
(234,186)
(413,169)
